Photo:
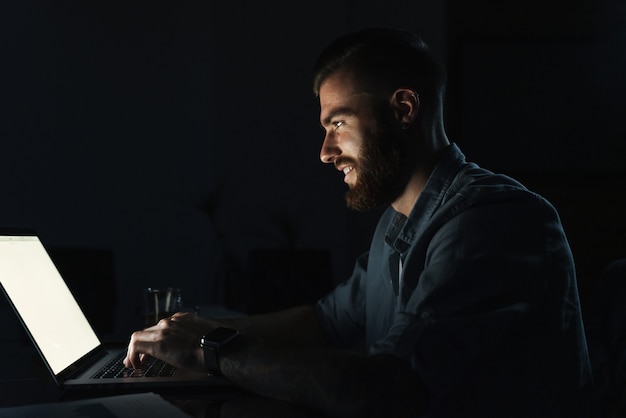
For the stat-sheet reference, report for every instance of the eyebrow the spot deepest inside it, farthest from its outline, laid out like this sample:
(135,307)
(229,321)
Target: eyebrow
(341,111)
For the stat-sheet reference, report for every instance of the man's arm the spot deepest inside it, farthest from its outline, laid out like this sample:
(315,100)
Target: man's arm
(284,356)
(295,327)
(337,383)
(176,339)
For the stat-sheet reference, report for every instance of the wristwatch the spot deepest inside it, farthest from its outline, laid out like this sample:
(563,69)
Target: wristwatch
(212,343)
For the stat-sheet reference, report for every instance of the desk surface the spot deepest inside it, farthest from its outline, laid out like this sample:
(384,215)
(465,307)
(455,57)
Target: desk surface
(24,380)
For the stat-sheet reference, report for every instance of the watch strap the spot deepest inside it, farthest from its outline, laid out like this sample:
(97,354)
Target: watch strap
(212,344)
(211,360)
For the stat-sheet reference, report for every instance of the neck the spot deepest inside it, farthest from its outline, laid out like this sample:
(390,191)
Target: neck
(428,156)
(406,201)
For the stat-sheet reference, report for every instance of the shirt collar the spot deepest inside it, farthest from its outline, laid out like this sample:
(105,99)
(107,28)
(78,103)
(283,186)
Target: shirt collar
(402,230)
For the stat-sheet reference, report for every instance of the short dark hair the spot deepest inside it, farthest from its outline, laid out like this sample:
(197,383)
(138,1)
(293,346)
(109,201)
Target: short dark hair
(382,60)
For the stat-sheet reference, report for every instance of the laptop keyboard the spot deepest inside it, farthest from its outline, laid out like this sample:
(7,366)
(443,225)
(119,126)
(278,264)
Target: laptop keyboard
(153,368)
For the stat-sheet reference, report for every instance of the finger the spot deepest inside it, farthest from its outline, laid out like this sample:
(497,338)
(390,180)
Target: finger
(139,354)
(132,360)
(140,345)
(144,358)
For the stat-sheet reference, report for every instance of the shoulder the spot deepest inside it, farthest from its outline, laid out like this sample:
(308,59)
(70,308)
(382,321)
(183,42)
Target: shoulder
(475,188)
(457,184)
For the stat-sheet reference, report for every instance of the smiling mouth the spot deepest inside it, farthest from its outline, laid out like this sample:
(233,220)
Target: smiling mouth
(347,176)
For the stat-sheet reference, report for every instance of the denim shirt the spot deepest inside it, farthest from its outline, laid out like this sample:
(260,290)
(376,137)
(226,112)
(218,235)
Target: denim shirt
(477,291)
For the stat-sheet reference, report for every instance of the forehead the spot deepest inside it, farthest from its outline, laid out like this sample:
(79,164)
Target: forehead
(339,90)
(340,82)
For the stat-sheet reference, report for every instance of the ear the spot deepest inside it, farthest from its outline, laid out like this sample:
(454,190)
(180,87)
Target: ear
(406,104)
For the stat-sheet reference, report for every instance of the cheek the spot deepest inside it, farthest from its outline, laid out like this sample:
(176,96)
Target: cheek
(356,144)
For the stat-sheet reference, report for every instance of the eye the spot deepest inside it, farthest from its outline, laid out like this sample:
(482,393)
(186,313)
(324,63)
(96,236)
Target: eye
(338,124)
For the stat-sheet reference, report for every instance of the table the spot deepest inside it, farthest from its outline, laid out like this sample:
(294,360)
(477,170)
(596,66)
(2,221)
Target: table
(24,380)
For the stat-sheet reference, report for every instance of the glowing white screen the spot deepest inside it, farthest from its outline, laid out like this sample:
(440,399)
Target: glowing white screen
(44,301)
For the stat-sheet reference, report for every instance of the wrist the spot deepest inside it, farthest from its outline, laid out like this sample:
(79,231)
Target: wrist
(213,346)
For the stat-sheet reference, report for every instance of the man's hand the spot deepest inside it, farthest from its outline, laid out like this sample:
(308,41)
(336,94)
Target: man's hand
(175,340)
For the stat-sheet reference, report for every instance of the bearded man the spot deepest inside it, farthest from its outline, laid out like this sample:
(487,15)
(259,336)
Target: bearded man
(465,305)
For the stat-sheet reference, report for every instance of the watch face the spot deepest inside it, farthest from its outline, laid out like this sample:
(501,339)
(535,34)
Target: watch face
(212,345)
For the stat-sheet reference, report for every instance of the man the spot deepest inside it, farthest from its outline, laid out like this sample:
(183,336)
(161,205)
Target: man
(466,303)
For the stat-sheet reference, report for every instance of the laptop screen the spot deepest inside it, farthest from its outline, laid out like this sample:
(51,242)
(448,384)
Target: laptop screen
(44,302)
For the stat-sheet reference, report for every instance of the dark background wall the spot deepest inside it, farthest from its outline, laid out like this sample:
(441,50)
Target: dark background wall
(176,143)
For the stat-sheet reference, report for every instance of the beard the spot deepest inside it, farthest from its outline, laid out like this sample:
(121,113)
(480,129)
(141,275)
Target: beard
(381,170)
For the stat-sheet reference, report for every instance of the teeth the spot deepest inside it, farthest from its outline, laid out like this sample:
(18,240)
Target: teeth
(347,170)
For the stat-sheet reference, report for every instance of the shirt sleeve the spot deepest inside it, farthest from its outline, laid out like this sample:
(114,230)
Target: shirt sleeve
(341,313)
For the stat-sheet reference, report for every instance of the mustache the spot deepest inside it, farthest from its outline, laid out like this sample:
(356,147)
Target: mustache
(345,161)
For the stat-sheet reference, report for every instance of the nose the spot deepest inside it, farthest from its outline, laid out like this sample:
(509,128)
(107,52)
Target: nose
(330,150)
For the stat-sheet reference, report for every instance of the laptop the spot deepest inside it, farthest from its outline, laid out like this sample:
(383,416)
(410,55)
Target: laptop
(60,331)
